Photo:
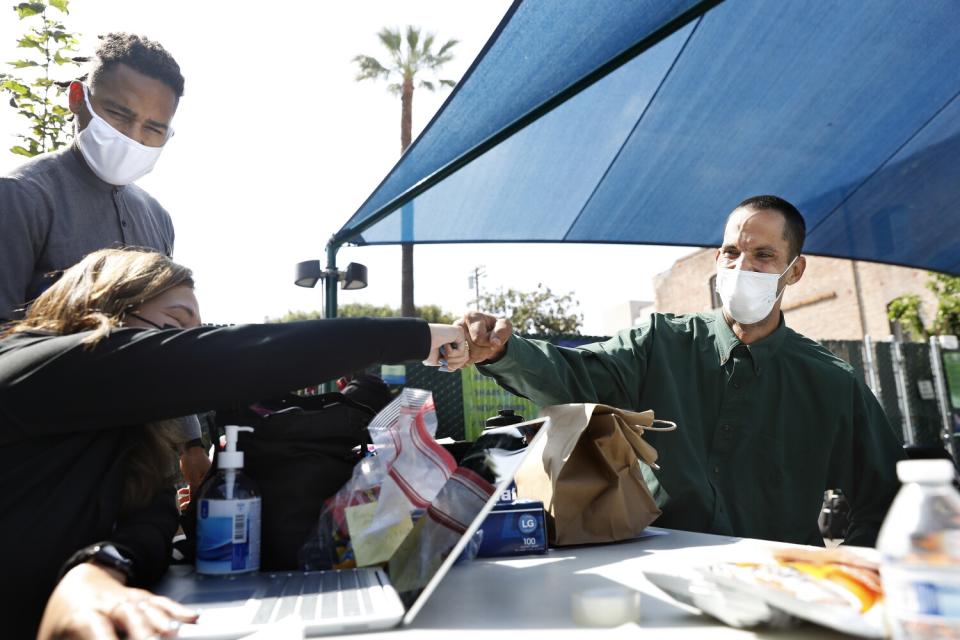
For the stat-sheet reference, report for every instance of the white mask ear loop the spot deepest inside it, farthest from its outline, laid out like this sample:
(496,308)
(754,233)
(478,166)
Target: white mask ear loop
(789,266)
(86,100)
(93,114)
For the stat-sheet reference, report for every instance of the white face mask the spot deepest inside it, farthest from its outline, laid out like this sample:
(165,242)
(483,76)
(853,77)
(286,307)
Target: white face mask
(115,158)
(748,296)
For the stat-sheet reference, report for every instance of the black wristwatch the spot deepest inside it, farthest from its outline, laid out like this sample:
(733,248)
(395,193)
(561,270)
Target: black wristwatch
(103,554)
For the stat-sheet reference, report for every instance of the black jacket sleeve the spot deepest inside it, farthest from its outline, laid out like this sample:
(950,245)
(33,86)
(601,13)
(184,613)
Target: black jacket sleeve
(147,534)
(55,384)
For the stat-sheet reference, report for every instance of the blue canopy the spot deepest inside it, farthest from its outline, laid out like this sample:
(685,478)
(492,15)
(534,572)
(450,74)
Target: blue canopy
(617,121)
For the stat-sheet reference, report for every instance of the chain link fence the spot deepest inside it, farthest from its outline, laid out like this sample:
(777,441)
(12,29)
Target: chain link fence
(923,411)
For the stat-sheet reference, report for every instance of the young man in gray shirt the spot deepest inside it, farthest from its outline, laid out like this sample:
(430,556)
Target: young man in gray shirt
(60,206)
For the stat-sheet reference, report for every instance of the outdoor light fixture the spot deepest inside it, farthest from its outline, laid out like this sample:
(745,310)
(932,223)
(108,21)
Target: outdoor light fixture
(355,277)
(309,272)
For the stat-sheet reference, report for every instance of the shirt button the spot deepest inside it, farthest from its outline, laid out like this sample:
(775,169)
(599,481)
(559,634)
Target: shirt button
(716,470)
(726,428)
(736,385)
(123,222)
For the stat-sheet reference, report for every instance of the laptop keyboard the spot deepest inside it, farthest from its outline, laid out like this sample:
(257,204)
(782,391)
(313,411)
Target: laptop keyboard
(322,595)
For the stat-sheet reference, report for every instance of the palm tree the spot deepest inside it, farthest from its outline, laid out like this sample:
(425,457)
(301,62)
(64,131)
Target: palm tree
(405,63)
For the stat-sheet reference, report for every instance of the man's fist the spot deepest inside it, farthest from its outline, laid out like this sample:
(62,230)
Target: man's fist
(487,336)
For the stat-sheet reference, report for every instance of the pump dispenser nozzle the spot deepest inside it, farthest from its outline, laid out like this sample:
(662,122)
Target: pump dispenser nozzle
(231,458)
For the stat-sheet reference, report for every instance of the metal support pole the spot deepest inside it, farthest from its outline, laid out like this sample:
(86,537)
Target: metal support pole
(870,364)
(330,280)
(903,398)
(943,399)
(478,273)
(860,305)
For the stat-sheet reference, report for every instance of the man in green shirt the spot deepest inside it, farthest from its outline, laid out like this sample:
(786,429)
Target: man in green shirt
(767,419)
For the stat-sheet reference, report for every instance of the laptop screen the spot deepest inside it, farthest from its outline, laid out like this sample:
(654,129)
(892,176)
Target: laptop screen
(459,508)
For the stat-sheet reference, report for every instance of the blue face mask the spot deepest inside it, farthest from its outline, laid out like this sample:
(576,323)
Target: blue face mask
(151,322)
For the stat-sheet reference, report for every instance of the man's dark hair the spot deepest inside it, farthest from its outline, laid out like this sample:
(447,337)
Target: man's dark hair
(138,53)
(794,227)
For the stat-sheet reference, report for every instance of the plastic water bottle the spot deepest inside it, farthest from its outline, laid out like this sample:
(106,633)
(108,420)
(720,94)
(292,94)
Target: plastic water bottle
(919,544)
(228,518)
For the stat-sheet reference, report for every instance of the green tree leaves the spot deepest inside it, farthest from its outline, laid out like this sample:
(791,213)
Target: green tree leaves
(906,309)
(406,61)
(430,313)
(540,312)
(947,290)
(370,68)
(29,9)
(40,97)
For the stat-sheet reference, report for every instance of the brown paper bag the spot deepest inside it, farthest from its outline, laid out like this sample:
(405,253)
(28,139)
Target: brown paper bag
(587,474)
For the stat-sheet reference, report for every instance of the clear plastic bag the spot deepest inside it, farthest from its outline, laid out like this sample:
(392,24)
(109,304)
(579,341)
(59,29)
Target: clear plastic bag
(439,530)
(365,522)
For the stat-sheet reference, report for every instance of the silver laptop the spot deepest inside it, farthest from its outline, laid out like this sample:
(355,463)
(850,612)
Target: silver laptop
(364,599)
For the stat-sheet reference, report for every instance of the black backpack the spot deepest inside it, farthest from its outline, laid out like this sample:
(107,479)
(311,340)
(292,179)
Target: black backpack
(299,454)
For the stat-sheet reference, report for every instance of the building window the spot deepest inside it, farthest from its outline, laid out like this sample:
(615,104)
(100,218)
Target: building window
(715,301)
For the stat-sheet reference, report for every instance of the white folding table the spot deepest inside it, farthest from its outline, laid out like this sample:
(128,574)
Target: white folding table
(530,597)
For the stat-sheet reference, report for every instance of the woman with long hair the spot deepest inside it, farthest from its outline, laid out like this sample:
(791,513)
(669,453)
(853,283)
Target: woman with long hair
(87,456)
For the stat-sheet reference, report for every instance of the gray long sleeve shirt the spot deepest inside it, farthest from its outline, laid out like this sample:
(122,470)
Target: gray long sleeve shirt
(54,211)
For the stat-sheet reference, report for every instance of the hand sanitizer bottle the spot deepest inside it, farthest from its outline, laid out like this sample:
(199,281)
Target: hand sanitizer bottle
(228,517)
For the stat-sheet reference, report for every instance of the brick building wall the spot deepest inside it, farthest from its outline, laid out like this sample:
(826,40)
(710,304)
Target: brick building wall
(824,305)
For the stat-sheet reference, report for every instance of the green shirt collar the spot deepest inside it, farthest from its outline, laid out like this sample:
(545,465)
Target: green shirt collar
(726,339)
(760,352)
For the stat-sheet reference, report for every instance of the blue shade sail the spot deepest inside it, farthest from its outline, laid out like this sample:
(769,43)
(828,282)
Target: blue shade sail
(539,49)
(848,109)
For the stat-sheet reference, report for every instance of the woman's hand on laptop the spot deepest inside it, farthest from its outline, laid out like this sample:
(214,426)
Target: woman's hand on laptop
(92,602)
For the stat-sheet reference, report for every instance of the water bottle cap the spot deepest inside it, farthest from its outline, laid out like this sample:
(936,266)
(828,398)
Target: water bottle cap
(925,471)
